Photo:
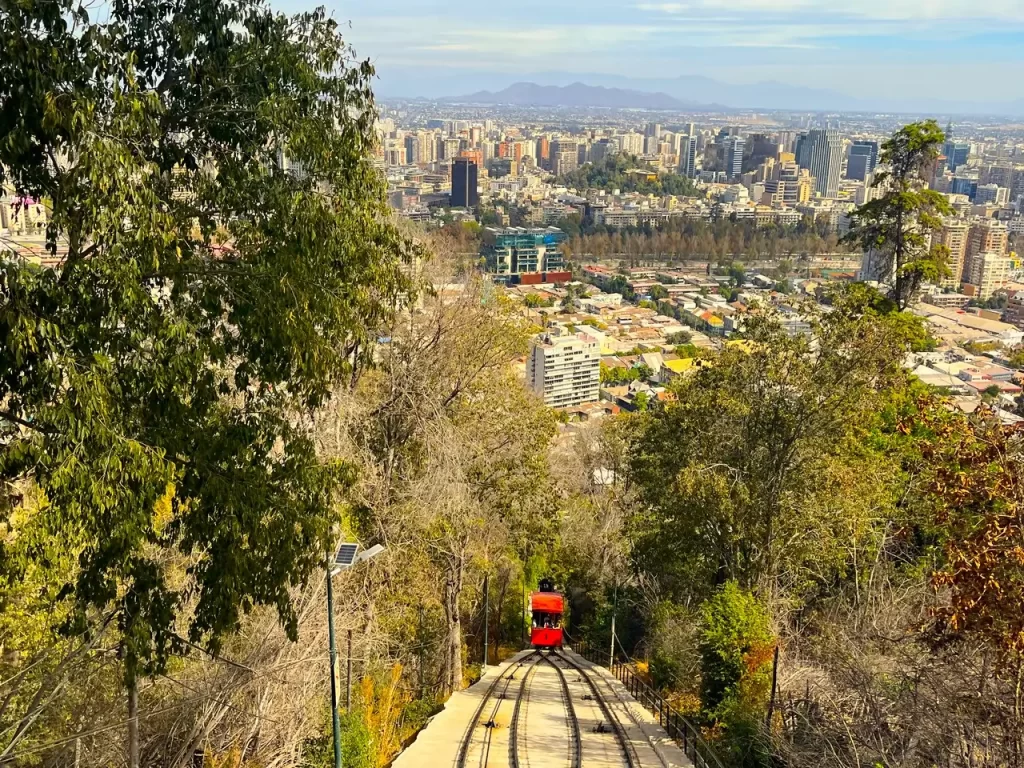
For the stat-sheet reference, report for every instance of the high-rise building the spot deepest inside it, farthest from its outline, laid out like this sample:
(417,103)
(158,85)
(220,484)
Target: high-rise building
(986,236)
(962,185)
(688,156)
(565,369)
(631,143)
(544,152)
(412,149)
(797,183)
(954,235)
(734,156)
(991,193)
(989,273)
(464,183)
(862,160)
(820,152)
(564,155)
(653,130)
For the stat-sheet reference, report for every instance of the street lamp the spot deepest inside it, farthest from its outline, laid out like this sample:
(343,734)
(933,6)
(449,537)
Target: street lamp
(348,555)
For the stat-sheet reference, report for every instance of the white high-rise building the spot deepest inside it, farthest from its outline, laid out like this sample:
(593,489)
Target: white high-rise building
(989,272)
(821,153)
(632,143)
(564,368)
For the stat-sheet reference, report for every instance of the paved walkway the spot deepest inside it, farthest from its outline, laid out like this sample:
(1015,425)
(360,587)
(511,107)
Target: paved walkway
(544,736)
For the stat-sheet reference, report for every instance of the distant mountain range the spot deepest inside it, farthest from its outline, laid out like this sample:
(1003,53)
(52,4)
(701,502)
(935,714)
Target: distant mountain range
(576,95)
(685,92)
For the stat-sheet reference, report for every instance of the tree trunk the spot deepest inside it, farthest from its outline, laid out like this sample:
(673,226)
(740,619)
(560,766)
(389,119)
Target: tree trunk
(453,639)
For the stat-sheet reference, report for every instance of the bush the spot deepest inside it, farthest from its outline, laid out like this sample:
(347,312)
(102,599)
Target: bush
(736,648)
(357,750)
(673,642)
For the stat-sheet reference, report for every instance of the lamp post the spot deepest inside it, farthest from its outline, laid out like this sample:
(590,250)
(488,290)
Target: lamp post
(348,554)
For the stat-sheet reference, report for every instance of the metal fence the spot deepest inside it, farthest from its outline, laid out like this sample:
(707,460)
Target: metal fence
(679,728)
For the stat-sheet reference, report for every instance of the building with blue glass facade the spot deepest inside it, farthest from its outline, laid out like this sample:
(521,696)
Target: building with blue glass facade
(516,251)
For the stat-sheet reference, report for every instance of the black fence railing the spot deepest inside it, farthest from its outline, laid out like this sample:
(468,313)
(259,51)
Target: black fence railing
(678,727)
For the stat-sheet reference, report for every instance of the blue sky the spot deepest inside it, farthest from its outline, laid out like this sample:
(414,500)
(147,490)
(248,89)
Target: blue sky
(889,49)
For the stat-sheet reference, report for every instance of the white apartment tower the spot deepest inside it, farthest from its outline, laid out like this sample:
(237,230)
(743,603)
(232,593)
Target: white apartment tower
(564,368)
(989,273)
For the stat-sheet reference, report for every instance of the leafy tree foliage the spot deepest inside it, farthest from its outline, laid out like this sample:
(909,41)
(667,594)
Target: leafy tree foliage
(975,485)
(896,228)
(758,466)
(736,647)
(224,259)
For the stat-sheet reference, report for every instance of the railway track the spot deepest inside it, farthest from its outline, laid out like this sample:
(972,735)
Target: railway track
(483,741)
(489,724)
(629,754)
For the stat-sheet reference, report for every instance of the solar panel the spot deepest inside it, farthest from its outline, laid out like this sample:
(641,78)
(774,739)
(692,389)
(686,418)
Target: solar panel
(346,554)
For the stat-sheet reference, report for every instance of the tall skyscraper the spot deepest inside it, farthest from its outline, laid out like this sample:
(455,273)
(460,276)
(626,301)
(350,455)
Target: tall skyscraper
(653,130)
(464,180)
(956,153)
(688,156)
(820,152)
(862,160)
(734,156)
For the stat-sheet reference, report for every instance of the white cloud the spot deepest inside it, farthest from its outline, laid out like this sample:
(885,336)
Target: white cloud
(882,10)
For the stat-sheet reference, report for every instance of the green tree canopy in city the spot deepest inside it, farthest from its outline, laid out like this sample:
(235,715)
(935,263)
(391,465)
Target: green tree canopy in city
(895,229)
(626,173)
(224,260)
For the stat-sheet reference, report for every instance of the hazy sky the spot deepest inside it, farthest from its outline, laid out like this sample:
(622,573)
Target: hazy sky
(882,48)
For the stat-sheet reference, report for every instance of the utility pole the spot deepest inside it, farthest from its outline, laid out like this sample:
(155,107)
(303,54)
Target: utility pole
(486,615)
(522,623)
(348,674)
(335,719)
(615,608)
(421,652)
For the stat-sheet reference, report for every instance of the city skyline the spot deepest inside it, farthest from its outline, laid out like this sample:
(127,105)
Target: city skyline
(874,54)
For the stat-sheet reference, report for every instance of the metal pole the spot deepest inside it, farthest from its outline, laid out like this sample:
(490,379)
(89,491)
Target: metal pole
(486,616)
(335,719)
(348,674)
(421,652)
(615,606)
(524,618)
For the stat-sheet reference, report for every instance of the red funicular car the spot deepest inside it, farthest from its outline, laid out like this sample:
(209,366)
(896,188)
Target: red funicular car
(546,609)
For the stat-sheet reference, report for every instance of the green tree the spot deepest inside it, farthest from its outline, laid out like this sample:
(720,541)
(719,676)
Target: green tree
(1016,358)
(736,647)
(658,292)
(746,473)
(228,260)
(896,227)
(679,337)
